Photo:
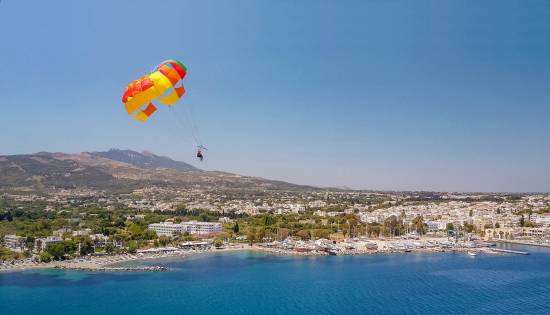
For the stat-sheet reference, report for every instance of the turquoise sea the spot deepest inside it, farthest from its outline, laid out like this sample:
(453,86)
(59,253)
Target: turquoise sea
(257,283)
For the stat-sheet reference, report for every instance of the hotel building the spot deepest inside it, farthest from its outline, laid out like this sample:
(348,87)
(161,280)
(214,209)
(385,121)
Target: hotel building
(192,227)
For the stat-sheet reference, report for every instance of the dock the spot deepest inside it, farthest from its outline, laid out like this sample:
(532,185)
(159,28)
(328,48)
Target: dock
(509,251)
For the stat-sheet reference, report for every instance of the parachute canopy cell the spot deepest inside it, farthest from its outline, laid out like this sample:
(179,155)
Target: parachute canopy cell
(164,84)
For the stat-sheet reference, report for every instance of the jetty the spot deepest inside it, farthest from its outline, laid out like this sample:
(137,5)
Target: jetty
(509,251)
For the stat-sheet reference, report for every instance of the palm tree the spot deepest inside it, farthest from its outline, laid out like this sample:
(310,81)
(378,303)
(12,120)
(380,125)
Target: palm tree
(419,224)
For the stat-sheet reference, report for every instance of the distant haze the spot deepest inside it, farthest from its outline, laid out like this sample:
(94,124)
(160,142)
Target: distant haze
(398,95)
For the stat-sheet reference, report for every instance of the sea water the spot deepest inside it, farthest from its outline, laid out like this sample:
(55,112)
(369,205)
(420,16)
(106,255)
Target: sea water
(249,282)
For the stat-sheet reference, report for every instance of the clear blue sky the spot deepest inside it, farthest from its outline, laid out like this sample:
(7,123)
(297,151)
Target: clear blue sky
(403,95)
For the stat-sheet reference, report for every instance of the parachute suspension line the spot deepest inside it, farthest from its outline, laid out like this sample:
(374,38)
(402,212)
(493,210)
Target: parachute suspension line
(194,124)
(181,136)
(189,121)
(184,125)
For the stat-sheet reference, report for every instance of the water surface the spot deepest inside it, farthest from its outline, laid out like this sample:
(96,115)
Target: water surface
(257,283)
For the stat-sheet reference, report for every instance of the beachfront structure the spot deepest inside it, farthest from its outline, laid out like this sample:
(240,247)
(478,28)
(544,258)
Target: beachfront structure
(166,228)
(14,242)
(191,227)
(41,244)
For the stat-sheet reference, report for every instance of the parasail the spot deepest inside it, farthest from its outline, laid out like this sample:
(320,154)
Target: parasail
(163,84)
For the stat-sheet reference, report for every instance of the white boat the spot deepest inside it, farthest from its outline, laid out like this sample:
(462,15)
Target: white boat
(472,253)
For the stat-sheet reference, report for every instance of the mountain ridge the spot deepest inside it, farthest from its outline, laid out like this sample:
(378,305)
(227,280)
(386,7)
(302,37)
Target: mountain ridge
(144,159)
(117,169)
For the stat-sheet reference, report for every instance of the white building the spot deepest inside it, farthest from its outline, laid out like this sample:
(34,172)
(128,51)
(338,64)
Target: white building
(317,204)
(192,227)
(61,231)
(41,244)
(225,220)
(14,241)
(82,232)
(434,226)
(368,218)
(542,219)
(166,228)
(297,208)
(320,213)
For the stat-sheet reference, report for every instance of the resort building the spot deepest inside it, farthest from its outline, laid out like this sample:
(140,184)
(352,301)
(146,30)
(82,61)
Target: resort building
(166,228)
(41,244)
(14,241)
(191,227)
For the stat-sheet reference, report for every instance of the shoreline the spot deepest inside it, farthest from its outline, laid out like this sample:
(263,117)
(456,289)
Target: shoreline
(110,263)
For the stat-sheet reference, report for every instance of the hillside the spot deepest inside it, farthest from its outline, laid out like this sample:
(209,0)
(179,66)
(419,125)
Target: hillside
(144,160)
(116,169)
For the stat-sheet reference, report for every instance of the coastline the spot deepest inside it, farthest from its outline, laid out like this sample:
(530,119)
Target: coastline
(110,263)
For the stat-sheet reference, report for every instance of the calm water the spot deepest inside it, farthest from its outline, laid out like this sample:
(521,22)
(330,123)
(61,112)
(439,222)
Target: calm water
(255,283)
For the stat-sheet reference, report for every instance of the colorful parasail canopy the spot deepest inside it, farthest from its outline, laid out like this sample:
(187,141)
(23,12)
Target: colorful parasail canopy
(139,95)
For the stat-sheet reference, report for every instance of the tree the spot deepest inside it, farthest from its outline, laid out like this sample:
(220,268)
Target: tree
(86,247)
(304,234)
(163,240)
(392,225)
(283,233)
(471,212)
(522,221)
(468,228)
(218,243)
(29,242)
(236,228)
(320,233)
(373,229)
(497,225)
(450,226)
(109,248)
(45,257)
(419,224)
(260,234)
(268,220)
(251,234)
(132,247)
(59,250)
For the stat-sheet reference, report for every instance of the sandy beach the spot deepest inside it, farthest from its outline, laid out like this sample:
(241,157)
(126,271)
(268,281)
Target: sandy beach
(103,263)
(111,262)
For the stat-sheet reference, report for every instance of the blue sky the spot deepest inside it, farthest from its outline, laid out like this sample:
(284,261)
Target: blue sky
(402,95)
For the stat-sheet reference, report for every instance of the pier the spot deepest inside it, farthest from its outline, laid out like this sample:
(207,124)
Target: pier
(509,251)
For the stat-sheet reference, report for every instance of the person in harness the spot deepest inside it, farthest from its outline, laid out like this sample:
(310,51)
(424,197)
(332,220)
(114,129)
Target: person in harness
(200,149)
